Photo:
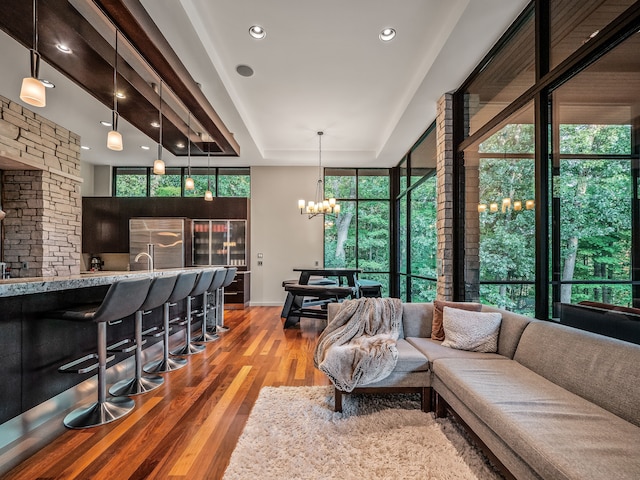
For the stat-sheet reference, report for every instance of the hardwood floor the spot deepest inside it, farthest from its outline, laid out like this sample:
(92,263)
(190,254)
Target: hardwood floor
(188,428)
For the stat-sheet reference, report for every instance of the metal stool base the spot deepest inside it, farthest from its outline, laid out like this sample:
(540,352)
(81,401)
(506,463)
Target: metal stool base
(99,413)
(136,386)
(162,366)
(188,349)
(221,328)
(207,337)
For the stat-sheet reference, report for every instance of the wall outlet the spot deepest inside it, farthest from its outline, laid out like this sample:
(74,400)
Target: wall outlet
(317,263)
(259,263)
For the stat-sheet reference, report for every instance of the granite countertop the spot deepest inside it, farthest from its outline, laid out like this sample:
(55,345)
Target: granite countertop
(29,285)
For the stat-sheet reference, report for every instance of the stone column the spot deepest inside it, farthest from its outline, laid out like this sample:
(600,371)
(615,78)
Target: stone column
(40,194)
(444,221)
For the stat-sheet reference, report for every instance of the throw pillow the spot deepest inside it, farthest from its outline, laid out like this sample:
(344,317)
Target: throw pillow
(437,333)
(473,331)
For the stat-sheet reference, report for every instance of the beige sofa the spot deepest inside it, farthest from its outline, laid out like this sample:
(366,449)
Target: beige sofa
(554,402)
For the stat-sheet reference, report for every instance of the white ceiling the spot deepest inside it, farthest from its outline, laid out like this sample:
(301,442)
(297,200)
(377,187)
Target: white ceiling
(320,67)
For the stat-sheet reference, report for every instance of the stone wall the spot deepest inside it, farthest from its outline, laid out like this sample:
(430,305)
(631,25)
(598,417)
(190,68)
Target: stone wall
(444,221)
(40,194)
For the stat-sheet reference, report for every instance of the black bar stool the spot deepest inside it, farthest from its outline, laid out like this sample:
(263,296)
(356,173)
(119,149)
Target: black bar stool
(159,293)
(122,299)
(212,300)
(201,285)
(184,285)
(209,334)
(231,274)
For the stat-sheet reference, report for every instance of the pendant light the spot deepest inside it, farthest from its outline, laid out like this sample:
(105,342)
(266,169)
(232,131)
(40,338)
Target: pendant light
(33,90)
(208,195)
(158,165)
(114,138)
(189,184)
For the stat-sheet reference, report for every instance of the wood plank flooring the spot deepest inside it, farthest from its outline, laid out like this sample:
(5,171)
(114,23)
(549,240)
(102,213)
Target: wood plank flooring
(188,428)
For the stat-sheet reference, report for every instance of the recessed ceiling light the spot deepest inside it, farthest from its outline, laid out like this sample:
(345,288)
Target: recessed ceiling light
(121,95)
(104,123)
(180,145)
(47,83)
(244,70)
(84,147)
(387,34)
(256,31)
(155,124)
(63,48)
(144,147)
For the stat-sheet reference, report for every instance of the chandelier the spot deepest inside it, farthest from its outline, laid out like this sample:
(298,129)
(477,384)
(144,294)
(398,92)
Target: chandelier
(320,205)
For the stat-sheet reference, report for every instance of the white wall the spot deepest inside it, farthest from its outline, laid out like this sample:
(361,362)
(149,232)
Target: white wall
(285,238)
(87,174)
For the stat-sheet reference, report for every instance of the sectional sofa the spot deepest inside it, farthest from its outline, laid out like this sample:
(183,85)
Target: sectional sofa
(553,402)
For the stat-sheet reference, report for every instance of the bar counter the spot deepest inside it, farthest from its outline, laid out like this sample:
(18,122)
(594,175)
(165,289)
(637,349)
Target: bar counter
(33,345)
(12,287)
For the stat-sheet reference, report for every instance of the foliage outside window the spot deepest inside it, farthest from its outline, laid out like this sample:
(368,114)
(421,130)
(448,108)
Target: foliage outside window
(130,182)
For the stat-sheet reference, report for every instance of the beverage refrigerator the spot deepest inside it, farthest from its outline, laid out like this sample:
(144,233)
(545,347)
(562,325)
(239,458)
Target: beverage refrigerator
(220,243)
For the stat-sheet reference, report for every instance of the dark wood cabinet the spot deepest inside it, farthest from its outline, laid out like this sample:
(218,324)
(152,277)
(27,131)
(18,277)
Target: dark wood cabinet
(105,220)
(237,294)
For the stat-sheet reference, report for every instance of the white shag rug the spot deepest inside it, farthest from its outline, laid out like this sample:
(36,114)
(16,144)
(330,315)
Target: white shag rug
(293,433)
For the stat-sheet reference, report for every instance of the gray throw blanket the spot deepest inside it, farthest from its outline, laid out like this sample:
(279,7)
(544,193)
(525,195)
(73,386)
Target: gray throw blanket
(358,347)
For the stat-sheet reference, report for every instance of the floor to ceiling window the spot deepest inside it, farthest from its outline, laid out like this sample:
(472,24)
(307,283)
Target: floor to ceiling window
(360,236)
(551,151)
(417,237)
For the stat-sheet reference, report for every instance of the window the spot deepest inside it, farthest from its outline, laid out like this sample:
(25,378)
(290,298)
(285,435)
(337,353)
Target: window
(359,237)
(133,182)
(130,182)
(417,212)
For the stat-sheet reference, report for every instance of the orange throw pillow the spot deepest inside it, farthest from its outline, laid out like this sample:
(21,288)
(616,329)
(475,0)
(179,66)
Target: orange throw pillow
(437,331)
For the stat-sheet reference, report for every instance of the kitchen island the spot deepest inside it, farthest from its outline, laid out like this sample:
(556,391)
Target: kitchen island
(33,346)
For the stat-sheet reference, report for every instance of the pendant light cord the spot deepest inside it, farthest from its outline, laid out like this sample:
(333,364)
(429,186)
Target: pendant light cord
(35,25)
(115,80)
(189,142)
(160,122)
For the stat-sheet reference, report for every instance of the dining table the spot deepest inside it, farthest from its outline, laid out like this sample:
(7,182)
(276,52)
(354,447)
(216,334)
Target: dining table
(315,289)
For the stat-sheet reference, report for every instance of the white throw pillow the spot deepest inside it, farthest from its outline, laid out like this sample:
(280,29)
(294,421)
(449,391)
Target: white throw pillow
(473,331)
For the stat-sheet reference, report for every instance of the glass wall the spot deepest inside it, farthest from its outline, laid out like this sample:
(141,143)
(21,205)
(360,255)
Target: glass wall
(360,236)
(508,73)
(595,142)
(569,147)
(417,212)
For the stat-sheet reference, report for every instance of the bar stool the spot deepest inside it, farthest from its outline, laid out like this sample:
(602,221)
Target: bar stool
(231,274)
(184,285)
(159,293)
(122,299)
(213,298)
(201,285)
(209,334)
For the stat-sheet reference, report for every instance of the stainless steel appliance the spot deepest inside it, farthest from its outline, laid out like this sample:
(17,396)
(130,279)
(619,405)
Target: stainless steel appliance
(170,239)
(96,263)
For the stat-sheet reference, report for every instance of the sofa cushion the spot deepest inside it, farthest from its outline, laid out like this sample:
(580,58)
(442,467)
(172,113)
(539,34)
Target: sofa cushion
(559,434)
(409,358)
(511,328)
(596,367)
(437,331)
(416,319)
(472,331)
(434,350)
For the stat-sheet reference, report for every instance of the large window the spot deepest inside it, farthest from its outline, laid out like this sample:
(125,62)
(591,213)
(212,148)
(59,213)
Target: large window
(568,147)
(359,236)
(141,182)
(417,236)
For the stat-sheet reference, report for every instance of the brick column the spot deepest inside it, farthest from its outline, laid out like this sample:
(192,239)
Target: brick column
(444,222)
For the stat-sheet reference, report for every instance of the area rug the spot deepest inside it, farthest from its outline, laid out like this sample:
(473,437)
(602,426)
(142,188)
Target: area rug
(293,433)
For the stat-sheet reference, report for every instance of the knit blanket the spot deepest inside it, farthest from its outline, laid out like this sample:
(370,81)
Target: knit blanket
(358,347)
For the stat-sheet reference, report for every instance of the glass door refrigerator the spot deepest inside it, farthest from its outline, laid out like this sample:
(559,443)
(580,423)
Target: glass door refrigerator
(219,242)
